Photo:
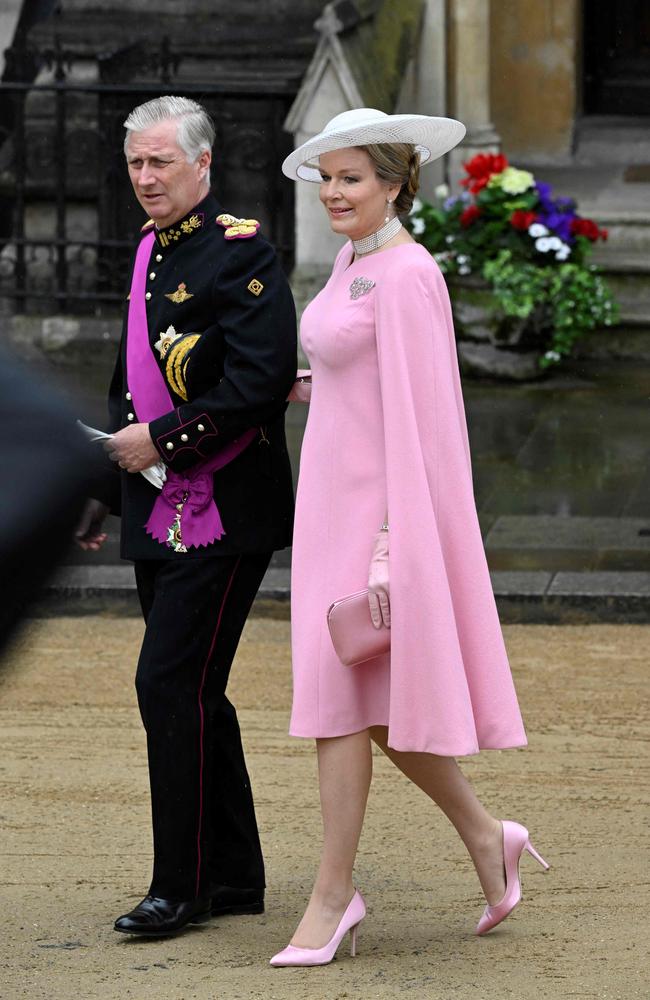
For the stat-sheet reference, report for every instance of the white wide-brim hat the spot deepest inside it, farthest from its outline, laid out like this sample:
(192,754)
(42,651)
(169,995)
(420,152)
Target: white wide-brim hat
(432,138)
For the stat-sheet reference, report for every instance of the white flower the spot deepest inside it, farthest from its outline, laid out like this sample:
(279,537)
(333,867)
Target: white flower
(554,243)
(552,355)
(537,229)
(464,270)
(449,238)
(462,258)
(417,206)
(563,252)
(514,181)
(417,226)
(543,244)
(442,191)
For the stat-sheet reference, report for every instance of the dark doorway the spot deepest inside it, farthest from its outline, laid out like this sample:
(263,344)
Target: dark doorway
(617,57)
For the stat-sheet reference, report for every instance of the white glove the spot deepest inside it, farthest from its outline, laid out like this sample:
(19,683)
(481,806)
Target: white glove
(378,589)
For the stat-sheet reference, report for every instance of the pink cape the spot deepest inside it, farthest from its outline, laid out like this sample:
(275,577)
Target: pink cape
(386,433)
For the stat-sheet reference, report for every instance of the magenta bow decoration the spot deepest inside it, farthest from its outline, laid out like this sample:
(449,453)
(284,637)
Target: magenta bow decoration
(200,522)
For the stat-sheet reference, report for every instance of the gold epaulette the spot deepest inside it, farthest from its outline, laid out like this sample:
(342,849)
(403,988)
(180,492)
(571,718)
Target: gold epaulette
(237,229)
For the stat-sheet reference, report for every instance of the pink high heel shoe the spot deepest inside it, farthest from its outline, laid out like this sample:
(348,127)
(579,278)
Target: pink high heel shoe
(350,920)
(515,842)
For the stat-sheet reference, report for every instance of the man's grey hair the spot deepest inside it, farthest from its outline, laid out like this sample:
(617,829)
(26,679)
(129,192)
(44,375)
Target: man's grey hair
(195,133)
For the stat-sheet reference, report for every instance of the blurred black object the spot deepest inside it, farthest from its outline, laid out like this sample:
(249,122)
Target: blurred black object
(45,469)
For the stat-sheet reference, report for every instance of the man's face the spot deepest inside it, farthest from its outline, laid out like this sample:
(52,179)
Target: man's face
(165,184)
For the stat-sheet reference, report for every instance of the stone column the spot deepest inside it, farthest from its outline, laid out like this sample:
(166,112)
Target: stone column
(424,88)
(8,20)
(469,45)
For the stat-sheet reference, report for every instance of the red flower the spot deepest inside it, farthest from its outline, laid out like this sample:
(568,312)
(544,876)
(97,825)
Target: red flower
(588,228)
(470,215)
(522,220)
(480,168)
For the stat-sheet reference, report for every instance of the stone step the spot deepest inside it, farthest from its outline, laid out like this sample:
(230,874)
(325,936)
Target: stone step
(627,272)
(547,542)
(628,232)
(563,597)
(627,341)
(612,140)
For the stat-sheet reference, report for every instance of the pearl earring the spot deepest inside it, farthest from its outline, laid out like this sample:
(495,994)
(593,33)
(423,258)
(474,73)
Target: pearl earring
(388,202)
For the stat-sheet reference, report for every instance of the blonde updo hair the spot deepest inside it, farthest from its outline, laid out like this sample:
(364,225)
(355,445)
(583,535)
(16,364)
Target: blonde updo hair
(397,163)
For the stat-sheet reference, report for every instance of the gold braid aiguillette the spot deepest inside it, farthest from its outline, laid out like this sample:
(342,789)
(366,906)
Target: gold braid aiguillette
(176,365)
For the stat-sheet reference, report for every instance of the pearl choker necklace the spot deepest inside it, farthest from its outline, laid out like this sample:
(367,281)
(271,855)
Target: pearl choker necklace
(378,238)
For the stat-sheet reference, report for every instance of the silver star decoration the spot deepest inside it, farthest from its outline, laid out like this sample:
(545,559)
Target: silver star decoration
(166,340)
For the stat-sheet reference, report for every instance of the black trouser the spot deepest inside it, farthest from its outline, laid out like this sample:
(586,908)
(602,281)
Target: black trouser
(204,827)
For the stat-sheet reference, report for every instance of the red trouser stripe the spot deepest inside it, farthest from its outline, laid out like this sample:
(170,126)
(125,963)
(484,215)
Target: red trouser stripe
(202,722)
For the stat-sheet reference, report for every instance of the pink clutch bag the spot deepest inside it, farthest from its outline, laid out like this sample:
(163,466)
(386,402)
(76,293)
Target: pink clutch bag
(301,391)
(354,637)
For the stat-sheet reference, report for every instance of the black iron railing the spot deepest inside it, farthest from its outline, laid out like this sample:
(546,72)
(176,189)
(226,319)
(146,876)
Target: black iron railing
(68,216)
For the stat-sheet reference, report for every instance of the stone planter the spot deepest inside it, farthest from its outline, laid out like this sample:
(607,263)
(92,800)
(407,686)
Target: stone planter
(491,344)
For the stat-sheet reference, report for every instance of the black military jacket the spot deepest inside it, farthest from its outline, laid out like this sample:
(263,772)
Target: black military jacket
(234,294)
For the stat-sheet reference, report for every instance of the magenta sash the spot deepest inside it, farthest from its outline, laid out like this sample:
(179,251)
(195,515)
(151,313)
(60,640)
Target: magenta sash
(185,514)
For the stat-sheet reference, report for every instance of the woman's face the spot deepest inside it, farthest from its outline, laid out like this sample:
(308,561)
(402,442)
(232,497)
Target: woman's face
(353,196)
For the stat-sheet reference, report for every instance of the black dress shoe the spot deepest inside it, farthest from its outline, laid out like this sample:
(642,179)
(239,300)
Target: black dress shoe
(228,899)
(156,917)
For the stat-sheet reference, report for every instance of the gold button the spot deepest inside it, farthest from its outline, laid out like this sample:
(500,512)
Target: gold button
(169,446)
(184,437)
(148,296)
(158,257)
(200,427)
(130,416)
(128,396)
(152,275)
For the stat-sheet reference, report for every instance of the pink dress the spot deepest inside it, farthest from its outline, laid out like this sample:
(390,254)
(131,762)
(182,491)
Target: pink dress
(386,433)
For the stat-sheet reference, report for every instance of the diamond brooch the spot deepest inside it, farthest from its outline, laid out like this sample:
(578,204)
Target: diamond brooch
(360,286)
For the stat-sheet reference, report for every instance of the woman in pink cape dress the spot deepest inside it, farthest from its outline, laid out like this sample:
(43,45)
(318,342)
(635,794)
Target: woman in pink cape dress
(385,501)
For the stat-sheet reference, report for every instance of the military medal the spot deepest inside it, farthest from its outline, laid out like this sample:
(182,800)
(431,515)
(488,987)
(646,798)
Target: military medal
(174,536)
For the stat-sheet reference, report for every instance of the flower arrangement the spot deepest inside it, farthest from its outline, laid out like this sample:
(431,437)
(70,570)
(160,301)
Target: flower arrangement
(531,248)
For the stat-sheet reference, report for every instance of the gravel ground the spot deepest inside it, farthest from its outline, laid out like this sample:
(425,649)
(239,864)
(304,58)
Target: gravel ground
(76,840)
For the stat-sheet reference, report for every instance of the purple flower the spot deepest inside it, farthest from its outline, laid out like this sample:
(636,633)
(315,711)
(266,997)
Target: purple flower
(449,203)
(558,223)
(544,194)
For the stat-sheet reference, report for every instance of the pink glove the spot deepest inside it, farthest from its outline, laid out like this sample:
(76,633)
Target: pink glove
(378,589)
(301,389)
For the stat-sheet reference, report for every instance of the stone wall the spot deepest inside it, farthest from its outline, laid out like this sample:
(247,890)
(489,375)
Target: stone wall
(534,76)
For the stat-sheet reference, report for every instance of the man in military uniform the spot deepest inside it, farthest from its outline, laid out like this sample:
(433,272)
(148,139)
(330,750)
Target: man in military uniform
(207,360)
